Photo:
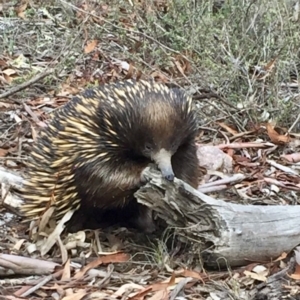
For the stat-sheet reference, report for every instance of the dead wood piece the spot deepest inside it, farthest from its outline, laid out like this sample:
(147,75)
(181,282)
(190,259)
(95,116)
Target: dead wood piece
(220,184)
(13,264)
(237,234)
(25,85)
(273,288)
(37,286)
(179,287)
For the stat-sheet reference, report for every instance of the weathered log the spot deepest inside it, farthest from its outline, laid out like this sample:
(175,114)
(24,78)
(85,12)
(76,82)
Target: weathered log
(222,233)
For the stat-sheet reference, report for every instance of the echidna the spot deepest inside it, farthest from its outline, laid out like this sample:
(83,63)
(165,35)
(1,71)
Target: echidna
(91,155)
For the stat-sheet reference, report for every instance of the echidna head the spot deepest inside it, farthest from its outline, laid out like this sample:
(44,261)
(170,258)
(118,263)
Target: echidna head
(151,123)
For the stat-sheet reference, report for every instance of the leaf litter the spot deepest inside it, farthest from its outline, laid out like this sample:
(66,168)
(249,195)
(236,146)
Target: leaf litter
(109,264)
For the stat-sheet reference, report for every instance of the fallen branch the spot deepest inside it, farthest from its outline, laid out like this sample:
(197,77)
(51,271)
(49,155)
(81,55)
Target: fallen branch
(13,264)
(220,184)
(236,234)
(24,85)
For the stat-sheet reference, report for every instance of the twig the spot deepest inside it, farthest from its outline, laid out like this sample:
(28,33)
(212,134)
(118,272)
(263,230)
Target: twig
(107,277)
(37,286)
(41,283)
(281,167)
(294,124)
(179,287)
(220,184)
(233,179)
(213,95)
(24,85)
(245,145)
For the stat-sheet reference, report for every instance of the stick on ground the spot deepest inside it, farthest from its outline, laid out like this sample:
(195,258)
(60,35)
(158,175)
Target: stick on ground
(24,85)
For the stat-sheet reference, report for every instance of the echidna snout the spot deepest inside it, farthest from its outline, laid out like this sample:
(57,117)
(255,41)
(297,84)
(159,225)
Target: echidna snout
(163,160)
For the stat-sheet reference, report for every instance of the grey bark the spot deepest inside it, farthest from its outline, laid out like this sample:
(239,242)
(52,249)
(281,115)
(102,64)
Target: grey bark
(224,234)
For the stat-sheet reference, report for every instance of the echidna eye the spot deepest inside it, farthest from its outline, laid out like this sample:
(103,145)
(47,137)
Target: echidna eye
(148,147)
(174,146)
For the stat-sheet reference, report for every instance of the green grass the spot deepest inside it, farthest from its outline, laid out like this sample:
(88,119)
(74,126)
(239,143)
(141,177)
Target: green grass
(221,44)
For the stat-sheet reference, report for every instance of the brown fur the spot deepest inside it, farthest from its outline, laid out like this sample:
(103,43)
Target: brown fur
(97,145)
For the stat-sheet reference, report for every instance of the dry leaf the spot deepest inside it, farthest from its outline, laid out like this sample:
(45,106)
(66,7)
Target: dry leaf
(125,287)
(63,250)
(66,275)
(141,294)
(296,274)
(293,157)
(227,128)
(90,46)
(19,244)
(275,137)
(9,72)
(67,90)
(5,105)
(115,243)
(193,274)
(113,258)
(129,72)
(281,257)
(166,283)
(76,296)
(160,295)
(159,76)
(8,79)
(21,62)
(123,64)
(52,238)
(20,10)
(179,68)
(13,298)
(3,152)
(255,276)
(270,65)
(266,70)
(297,257)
